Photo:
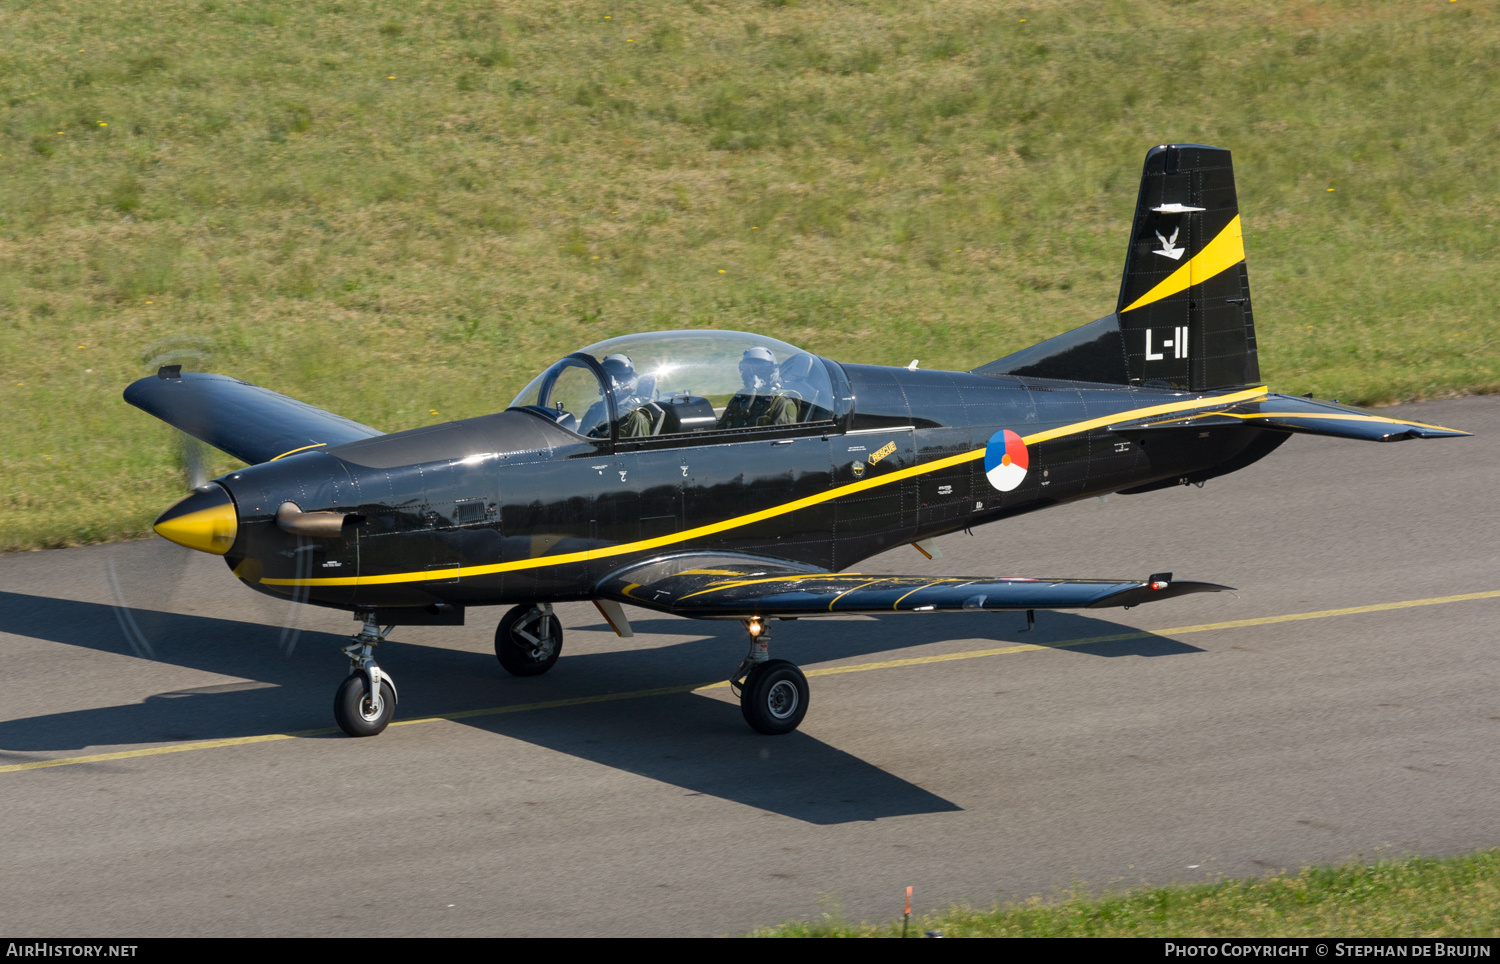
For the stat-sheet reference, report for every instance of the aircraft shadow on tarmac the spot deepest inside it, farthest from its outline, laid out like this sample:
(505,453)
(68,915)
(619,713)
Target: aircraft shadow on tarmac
(699,744)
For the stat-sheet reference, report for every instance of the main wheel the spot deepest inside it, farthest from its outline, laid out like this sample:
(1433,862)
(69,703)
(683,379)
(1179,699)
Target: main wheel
(357,714)
(774,697)
(528,641)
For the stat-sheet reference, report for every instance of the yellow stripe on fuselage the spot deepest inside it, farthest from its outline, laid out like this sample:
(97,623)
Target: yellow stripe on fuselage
(750,518)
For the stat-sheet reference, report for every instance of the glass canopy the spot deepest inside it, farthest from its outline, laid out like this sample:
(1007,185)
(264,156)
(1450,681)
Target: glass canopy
(675,382)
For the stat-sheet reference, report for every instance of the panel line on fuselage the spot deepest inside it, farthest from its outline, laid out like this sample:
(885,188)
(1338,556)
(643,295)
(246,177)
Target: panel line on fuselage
(736,522)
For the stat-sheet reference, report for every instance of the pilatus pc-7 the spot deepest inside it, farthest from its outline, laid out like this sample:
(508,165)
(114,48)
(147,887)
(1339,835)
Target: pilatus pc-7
(726,475)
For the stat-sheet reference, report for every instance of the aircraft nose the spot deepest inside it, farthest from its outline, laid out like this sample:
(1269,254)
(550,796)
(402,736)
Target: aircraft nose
(206,520)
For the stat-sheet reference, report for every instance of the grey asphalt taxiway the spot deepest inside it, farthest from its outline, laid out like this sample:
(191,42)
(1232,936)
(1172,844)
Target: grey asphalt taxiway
(197,788)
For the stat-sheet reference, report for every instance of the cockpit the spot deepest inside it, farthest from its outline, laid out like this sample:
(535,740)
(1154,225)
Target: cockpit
(681,382)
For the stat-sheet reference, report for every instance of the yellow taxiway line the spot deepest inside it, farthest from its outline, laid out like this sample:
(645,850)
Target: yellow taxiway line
(722,684)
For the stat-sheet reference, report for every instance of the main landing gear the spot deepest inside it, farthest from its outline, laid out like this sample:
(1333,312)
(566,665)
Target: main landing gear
(528,640)
(773,692)
(366,700)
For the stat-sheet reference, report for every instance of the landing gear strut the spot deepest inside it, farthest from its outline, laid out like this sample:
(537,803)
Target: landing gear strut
(528,640)
(773,692)
(366,700)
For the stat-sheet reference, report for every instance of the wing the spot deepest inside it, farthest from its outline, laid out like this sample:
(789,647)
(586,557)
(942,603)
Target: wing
(732,587)
(251,423)
(1290,413)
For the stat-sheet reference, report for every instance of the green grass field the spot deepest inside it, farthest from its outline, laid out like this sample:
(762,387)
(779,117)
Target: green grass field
(401,211)
(1416,897)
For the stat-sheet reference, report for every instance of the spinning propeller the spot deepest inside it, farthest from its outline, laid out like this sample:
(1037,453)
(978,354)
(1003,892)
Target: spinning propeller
(160,571)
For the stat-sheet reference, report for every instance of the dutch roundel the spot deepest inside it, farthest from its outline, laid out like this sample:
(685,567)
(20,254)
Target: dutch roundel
(1005,460)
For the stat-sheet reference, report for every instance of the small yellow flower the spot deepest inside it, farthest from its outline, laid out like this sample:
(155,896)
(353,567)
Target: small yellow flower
(432,411)
(391,77)
(630,40)
(102,124)
(1330,189)
(721,271)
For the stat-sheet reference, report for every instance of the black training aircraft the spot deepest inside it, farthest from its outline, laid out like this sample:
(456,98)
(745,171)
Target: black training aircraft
(726,475)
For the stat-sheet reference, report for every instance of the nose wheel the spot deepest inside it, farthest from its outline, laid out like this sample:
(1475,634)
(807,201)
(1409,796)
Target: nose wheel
(356,712)
(366,699)
(773,692)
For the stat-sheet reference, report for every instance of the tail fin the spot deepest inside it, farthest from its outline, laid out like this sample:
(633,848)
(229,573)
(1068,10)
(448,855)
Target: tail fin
(1183,318)
(1184,305)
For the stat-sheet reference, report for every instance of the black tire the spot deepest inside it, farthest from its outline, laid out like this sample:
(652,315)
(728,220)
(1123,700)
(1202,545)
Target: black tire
(774,697)
(519,655)
(353,712)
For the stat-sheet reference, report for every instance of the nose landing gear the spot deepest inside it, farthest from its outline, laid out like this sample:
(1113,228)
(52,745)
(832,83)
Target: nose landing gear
(773,692)
(366,699)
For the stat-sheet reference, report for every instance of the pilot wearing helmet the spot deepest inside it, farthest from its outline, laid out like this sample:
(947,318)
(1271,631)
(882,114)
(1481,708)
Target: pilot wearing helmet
(762,401)
(639,416)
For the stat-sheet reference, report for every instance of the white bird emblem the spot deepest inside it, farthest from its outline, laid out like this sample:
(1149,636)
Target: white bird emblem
(1169,245)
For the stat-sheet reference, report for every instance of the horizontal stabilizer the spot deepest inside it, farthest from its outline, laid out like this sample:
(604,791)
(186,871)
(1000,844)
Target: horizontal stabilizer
(1289,413)
(737,587)
(251,423)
